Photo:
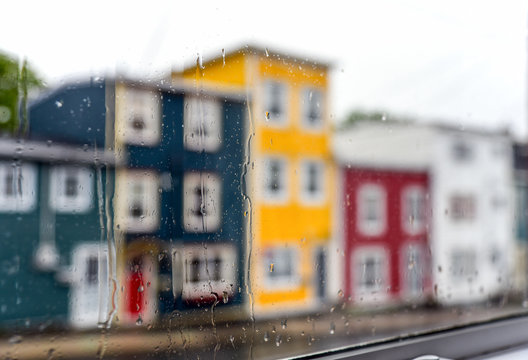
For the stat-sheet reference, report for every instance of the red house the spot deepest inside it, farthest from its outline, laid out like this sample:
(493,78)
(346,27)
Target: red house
(385,232)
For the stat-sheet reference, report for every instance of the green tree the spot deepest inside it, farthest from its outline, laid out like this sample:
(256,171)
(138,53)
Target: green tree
(16,79)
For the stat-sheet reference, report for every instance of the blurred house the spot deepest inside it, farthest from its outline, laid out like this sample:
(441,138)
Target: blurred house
(177,217)
(290,171)
(470,188)
(53,258)
(520,166)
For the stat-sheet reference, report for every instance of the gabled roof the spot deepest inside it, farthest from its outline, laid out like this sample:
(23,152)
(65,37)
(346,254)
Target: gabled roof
(253,49)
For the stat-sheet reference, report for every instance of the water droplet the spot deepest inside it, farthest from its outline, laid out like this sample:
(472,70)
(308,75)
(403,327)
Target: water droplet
(278,340)
(266,337)
(284,323)
(139,321)
(332,328)
(58,103)
(267,52)
(15,339)
(383,117)
(267,115)
(225,297)
(271,267)
(141,288)
(223,57)
(340,293)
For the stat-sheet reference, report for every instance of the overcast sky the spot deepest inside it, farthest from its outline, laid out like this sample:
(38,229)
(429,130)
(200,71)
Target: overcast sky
(463,61)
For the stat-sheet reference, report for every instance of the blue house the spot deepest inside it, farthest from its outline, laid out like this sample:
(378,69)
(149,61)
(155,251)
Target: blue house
(177,206)
(49,212)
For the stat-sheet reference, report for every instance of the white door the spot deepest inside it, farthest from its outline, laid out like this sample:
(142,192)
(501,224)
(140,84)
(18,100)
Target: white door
(89,293)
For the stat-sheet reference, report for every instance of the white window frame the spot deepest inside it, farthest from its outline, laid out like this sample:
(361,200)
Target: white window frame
(307,197)
(409,250)
(282,195)
(202,118)
(128,182)
(371,228)
(467,270)
(282,119)
(145,104)
(414,225)
(227,282)
(272,266)
(379,291)
(24,198)
(307,97)
(209,199)
(59,200)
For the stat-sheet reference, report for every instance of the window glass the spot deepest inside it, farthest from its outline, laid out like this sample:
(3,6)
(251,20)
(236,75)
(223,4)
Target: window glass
(275,103)
(19,187)
(312,107)
(371,209)
(202,124)
(202,202)
(274,180)
(71,189)
(312,176)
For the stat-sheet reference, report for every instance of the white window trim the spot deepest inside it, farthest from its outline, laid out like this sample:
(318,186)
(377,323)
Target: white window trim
(381,291)
(413,226)
(305,124)
(61,203)
(208,112)
(305,197)
(228,281)
(212,185)
(151,198)
(27,201)
(150,135)
(276,198)
(380,227)
(283,120)
(281,283)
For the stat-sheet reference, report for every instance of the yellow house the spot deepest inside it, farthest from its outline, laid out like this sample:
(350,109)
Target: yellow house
(289,168)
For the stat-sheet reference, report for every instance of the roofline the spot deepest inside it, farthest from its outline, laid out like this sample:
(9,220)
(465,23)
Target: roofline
(442,126)
(255,49)
(18,149)
(158,84)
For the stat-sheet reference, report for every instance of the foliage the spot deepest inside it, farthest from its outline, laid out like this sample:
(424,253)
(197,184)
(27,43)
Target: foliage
(15,81)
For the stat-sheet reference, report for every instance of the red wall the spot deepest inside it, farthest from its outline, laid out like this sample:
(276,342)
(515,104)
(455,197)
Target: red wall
(394,236)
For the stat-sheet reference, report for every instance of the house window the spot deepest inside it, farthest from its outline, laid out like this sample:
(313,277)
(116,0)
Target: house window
(312,109)
(463,265)
(202,202)
(370,272)
(462,151)
(371,209)
(312,181)
(71,189)
(137,206)
(202,124)
(141,117)
(462,207)
(414,209)
(274,180)
(209,269)
(413,270)
(275,102)
(281,267)
(17,187)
